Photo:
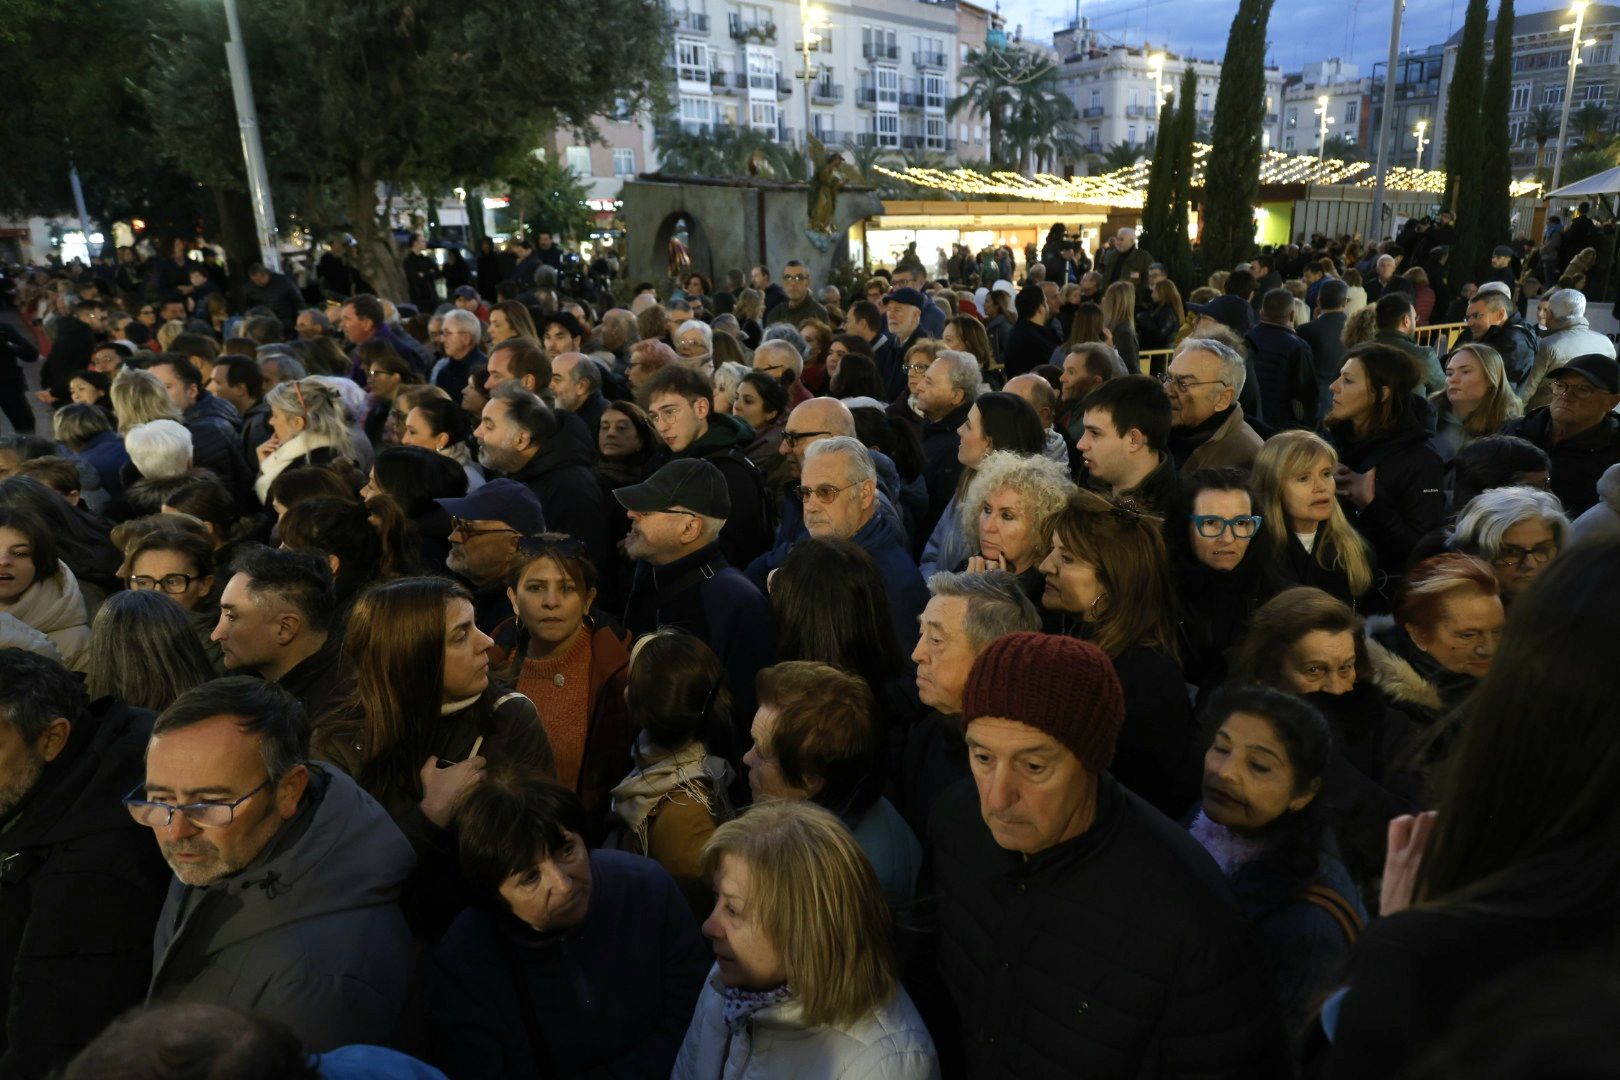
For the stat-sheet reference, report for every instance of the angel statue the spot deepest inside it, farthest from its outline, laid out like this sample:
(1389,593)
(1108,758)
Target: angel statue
(831,173)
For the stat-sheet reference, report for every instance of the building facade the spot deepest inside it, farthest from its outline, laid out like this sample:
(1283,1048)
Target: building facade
(1115,89)
(1347,94)
(1417,101)
(1540,73)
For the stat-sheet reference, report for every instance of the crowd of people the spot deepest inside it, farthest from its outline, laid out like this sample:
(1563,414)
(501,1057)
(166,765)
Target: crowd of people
(752,680)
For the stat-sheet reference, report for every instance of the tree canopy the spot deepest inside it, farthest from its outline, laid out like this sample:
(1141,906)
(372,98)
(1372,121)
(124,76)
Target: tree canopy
(1233,167)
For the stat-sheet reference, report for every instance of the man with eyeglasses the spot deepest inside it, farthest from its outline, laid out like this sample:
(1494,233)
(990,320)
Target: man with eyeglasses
(683,578)
(799,305)
(1578,430)
(461,334)
(485,527)
(680,402)
(80,889)
(1207,428)
(287,875)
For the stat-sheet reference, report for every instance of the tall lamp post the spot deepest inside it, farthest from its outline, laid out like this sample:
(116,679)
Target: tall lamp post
(1322,126)
(811,19)
(1421,129)
(1575,43)
(247,119)
(1156,65)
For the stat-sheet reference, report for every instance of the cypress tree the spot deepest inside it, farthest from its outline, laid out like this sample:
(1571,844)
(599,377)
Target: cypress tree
(1156,203)
(1232,172)
(1496,164)
(1177,259)
(1464,176)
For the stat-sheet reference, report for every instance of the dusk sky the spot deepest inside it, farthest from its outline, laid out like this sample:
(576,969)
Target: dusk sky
(1301,30)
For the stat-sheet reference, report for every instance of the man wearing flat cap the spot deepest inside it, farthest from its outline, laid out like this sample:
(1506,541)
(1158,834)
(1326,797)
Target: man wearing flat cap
(1082,933)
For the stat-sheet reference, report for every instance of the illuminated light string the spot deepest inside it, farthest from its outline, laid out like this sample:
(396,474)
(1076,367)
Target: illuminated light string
(1127,187)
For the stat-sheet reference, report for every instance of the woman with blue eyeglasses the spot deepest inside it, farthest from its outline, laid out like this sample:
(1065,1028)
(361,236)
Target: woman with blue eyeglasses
(1225,570)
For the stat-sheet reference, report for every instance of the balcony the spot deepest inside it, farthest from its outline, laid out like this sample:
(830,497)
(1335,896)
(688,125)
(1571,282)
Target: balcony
(928,59)
(1136,112)
(784,85)
(866,95)
(694,22)
(697,127)
(763,33)
(686,73)
(910,99)
(824,93)
(721,82)
(873,50)
(1091,112)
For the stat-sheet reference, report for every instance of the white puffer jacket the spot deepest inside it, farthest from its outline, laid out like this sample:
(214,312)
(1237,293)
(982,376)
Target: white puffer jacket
(773,1044)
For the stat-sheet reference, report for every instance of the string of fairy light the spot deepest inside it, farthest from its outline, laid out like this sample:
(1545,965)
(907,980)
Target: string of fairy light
(1127,187)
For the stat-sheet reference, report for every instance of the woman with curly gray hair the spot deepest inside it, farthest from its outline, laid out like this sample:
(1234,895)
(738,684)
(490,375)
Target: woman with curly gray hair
(1007,514)
(1518,530)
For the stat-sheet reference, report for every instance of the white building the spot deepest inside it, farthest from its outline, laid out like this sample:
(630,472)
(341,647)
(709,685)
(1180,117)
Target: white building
(1299,127)
(1113,88)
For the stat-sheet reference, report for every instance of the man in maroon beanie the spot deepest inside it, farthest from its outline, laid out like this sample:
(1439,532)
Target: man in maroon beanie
(1082,933)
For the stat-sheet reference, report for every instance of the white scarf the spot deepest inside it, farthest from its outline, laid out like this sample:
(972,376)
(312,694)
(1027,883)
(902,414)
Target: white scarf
(659,774)
(55,607)
(281,457)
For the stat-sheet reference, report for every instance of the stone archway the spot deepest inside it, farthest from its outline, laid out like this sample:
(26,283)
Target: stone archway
(696,239)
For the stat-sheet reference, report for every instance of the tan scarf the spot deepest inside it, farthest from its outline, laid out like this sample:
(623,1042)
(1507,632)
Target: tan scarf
(660,774)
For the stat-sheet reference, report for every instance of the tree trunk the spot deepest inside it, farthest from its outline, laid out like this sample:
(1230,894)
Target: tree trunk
(375,254)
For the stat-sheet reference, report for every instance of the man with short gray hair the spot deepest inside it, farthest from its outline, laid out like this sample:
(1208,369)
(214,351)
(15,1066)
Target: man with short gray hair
(1567,334)
(964,614)
(576,385)
(944,399)
(782,361)
(1493,320)
(461,334)
(1207,428)
(1124,261)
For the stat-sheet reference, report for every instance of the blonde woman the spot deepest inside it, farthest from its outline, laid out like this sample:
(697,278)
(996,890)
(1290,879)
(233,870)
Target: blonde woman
(1119,316)
(1313,541)
(804,982)
(168,332)
(308,428)
(138,397)
(1007,514)
(727,377)
(1476,402)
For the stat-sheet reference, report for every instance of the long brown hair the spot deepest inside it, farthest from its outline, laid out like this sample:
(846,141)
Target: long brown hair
(1126,551)
(395,643)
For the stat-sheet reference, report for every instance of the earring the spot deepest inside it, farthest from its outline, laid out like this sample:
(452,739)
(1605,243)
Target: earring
(1094,603)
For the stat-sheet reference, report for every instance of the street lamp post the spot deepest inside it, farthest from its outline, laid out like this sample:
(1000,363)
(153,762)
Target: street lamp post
(1419,131)
(1575,43)
(1321,136)
(247,119)
(811,19)
(1156,65)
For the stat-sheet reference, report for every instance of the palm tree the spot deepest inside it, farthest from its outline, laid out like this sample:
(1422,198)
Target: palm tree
(1337,146)
(1590,120)
(987,92)
(1122,155)
(1016,90)
(1542,126)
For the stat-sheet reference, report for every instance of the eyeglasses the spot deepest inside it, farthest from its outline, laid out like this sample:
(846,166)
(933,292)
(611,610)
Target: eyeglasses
(204,815)
(918,369)
(1185,383)
(1211,526)
(169,583)
(465,528)
(795,277)
(794,438)
(1564,388)
(824,493)
(377,372)
(1511,555)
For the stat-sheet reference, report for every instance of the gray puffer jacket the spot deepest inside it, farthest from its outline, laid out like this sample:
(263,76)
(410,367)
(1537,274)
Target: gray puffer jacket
(310,933)
(1564,340)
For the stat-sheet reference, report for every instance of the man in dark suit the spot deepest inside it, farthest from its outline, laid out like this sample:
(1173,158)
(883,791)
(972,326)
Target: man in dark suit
(1325,335)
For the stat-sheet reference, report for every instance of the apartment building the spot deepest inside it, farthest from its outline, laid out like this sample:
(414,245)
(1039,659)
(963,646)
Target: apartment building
(1540,73)
(1114,87)
(1348,94)
(1417,100)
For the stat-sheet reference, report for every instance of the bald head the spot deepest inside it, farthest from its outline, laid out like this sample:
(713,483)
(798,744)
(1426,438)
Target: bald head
(811,421)
(1038,392)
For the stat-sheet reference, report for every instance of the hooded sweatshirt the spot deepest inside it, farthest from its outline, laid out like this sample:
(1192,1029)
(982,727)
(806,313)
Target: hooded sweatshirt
(310,933)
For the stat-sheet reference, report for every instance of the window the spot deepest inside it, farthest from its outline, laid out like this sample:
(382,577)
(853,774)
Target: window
(961,133)
(888,85)
(1135,99)
(1130,134)
(1597,54)
(762,116)
(624,161)
(1521,98)
(887,128)
(691,60)
(1352,113)
(761,69)
(1288,143)
(1095,142)
(1293,119)
(1203,102)
(1593,92)
(978,133)
(933,91)
(579,160)
(694,114)
(1096,99)
(934,132)
(1152,133)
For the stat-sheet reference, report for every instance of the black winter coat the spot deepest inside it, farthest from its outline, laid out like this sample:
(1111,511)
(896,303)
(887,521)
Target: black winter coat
(941,469)
(563,476)
(1516,341)
(81,885)
(1324,334)
(1408,494)
(1577,462)
(1117,954)
(1287,371)
(1028,347)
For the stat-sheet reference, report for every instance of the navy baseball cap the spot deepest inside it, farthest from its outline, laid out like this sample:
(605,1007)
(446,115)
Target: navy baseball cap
(907,295)
(688,483)
(1232,311)
(500,500)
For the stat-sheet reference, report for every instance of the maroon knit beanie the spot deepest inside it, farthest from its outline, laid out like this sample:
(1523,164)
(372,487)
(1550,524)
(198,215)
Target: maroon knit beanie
(1061,686)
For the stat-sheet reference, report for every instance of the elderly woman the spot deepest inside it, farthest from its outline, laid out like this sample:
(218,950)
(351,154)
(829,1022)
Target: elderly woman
(308,427)
(160,459)
(1442,637)
(726,378)
(572,961)
(694,344)
(817,738)
(1007,513)
(1476,402)
(1518,530)
(1109,581)
(996,422)
(1263,820)
(800,989)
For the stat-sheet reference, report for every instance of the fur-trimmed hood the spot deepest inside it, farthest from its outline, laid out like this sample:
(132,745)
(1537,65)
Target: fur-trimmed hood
(1395,675)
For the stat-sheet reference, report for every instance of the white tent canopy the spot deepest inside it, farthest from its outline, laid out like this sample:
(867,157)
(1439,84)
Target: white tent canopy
(1603,183)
